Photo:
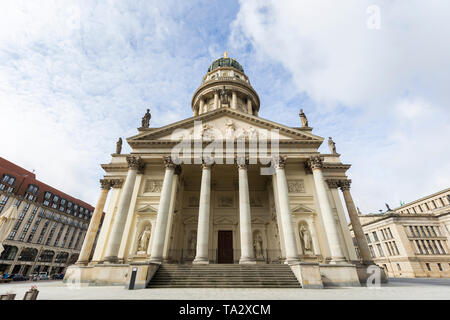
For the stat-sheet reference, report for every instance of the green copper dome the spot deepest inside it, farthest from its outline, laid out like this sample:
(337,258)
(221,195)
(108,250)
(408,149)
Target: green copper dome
(225,62)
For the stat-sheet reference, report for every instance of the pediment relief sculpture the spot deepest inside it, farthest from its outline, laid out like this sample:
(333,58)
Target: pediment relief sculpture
(296,186)
(153,186)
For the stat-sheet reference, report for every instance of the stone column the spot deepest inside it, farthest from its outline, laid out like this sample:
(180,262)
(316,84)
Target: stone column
(112,249)
(245,219)
(201,256)
(356,224)
(233,100)
(201,108)
(216,99)
(249,106)
(329,221)
(163,212)
(94,223)
(285,211)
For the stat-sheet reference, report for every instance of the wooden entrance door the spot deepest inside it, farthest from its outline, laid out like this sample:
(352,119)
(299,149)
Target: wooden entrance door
(225,247)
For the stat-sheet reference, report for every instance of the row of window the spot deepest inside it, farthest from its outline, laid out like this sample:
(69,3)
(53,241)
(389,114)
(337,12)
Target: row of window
(54,201)
(427,206)
(391,247)
(429,247)
(52,224)
(423,231)
(30,254)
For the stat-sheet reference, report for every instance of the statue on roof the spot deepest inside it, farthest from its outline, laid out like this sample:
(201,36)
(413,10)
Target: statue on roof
(119,146)
(146,119)
(332,145)
(303,118)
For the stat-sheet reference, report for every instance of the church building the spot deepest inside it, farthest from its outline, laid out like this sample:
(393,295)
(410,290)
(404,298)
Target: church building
(224,198)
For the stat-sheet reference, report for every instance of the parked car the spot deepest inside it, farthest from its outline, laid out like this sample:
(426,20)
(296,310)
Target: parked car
(34,276)
(19,277)
(43,276)
(57,276)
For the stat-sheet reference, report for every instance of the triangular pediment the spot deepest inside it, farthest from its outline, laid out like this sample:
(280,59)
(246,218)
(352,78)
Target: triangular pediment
(225,220)
(148,209)
(224,124)
(300,208)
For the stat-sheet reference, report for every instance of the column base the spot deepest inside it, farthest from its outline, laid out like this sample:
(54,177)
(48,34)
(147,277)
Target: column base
(156,260)
(247,261)
(82,263)
(339,260)
(200,261)
(110,259)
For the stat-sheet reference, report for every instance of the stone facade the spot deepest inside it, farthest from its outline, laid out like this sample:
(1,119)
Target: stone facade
(412,240)
(229,211)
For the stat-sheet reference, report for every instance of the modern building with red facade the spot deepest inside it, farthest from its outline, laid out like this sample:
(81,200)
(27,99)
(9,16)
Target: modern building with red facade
(49,233)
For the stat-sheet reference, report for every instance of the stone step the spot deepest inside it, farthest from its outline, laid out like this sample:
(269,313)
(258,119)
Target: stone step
(224,276)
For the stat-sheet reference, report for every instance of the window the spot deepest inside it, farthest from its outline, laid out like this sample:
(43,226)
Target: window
(428,266)
(419,247)
(7,179)
(47,195)
(55,198)
(398,267)
(439,266)
(375,236)
(368,238)
(372,252)
(4,200)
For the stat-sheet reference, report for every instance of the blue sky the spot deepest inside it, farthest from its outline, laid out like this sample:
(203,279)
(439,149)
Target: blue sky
(76,75)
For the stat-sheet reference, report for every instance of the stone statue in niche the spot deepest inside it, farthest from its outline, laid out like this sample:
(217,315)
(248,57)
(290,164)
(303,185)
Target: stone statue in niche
(296,186)
(258,245)
(306,240)
(223,95)
(192,244)
(144,240)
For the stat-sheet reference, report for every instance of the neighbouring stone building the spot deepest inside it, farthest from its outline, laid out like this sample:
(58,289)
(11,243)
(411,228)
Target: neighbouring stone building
(412,240)
(51,225)
(170,204)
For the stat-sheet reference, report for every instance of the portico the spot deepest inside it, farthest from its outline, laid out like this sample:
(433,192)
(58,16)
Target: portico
(225,186)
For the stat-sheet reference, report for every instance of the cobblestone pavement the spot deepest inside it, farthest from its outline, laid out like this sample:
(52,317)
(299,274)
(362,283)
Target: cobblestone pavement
(396,289)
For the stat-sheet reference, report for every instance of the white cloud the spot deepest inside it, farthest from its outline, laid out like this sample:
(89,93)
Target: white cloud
(382,94)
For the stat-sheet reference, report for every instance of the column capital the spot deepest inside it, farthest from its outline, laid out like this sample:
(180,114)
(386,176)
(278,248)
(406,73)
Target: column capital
(105,184)
(135,163)
(279,162)
(345,184)
(242,162)
(207,162)
(315,162)
(116,183)
(168,162)
(333,183)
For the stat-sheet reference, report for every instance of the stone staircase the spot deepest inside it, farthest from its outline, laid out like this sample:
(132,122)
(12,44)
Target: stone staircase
(224,276)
